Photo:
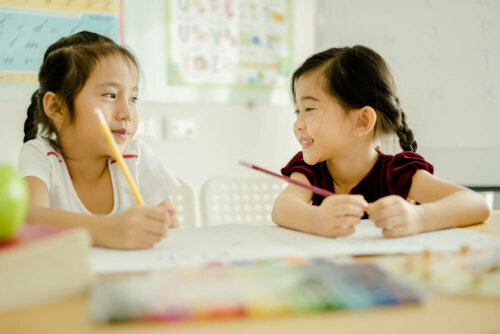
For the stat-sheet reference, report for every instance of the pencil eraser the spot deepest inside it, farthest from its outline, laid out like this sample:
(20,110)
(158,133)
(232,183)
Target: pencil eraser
(99,114)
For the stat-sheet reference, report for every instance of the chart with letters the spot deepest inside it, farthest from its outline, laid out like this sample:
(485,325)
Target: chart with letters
(234,43)
(28,27)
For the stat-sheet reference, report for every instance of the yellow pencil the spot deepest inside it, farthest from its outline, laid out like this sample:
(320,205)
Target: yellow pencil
(118,156)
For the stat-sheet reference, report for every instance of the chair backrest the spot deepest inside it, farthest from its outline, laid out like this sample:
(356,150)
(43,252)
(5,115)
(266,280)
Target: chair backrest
(230,200)
(184,201)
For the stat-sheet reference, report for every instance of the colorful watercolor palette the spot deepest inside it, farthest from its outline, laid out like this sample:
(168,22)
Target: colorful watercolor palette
(261,288)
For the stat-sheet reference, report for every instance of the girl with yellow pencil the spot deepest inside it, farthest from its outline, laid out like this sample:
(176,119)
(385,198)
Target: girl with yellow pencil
(110,183)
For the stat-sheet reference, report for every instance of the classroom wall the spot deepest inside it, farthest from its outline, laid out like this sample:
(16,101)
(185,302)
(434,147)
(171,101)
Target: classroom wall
(241,125)
(224,133)
(445,57)
(261,133)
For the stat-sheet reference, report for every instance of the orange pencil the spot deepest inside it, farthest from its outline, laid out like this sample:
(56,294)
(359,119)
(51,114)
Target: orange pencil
(118,156)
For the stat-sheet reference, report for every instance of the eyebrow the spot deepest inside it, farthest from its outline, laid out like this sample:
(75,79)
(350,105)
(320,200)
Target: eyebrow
(116,85)
(309,98)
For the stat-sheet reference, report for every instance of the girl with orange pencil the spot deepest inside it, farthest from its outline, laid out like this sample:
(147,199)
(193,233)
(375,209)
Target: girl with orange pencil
(73,177)
(345,100)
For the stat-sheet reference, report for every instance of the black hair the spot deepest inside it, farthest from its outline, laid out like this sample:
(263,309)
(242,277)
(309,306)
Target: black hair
(357,77)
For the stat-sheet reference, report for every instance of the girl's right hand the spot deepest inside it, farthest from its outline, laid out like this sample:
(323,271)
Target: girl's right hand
(140,227)
(338,214)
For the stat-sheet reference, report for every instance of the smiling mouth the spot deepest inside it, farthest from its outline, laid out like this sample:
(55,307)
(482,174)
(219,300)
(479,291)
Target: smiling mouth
(121,134)
(306,142)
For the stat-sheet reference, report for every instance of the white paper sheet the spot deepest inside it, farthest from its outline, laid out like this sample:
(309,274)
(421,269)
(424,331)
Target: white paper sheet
(194,246)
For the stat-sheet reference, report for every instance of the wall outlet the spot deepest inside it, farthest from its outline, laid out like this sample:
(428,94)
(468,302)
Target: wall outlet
(182,128)
(151,126)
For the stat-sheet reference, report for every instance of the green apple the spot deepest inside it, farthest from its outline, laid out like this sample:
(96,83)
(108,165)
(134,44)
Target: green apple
(14,200)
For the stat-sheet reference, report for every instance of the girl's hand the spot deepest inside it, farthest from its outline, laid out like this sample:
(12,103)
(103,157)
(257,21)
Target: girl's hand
(172,221)
(396,216)
(338,214)
(140,227)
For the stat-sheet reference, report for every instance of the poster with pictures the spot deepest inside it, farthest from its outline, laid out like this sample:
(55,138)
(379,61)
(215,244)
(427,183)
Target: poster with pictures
(29,27)
(229,43)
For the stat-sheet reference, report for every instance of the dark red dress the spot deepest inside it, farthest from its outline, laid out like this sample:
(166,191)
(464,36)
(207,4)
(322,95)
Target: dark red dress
(391,175)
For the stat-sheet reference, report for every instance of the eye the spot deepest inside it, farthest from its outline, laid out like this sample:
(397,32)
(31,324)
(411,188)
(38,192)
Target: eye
(134,99)
(296,111)
(110,95)
(308,109)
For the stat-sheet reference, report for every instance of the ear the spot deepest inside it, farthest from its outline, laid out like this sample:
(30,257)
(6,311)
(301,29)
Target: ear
(364,121)
(54,108)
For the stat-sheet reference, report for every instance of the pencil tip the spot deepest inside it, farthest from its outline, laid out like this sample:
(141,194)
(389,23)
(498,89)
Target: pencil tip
(244,163)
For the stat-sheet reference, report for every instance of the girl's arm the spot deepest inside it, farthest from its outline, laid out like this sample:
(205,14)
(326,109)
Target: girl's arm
(139,227)
(445,204)
(291,207)
(334,217)
(442,205)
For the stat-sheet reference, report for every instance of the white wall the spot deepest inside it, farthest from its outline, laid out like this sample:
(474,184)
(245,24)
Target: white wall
(12,116)
(445,57)
(224,135)
(224,132)
(228,132)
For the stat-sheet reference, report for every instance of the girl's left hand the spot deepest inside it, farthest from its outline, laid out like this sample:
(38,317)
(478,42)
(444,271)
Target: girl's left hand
(172,221)
(396,216)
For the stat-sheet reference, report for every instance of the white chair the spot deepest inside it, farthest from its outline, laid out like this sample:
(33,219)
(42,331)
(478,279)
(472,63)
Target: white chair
(184,201)
(230,200)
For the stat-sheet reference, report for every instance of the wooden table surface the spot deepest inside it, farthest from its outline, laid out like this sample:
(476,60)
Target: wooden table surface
(438,314)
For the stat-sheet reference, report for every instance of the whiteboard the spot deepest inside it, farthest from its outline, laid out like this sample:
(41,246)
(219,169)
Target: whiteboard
(445,57)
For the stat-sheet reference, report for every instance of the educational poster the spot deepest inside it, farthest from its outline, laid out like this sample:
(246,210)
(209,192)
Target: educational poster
(28,27)
(234,43)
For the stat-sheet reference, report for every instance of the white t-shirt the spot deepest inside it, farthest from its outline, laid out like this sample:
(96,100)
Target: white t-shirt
(39,159)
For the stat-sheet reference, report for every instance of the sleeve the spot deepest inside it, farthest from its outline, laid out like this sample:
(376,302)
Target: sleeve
(33,162)
(400,171)
(297,164)
(156,182)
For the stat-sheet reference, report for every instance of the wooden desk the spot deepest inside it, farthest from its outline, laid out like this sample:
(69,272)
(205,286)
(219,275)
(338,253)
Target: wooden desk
(436,315)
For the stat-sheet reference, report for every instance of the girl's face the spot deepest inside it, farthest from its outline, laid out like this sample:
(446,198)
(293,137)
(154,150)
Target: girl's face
(323,128)
(112,87)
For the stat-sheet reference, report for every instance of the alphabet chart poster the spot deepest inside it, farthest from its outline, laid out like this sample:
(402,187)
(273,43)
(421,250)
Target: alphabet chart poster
(232,43)
(28,27)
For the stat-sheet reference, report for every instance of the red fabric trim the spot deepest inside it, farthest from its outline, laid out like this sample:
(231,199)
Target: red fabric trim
(126,156)
(54,153)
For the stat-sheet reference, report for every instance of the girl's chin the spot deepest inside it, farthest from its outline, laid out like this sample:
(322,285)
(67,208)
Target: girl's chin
(309,160)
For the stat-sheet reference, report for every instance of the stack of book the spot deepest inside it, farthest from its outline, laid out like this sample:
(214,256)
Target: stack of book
(44,264)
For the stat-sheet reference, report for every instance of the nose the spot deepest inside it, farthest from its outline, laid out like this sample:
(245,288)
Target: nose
(124,111)
(299,124)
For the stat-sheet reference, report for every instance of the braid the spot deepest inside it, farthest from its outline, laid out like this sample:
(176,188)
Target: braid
(30,124)
(405,135)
